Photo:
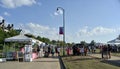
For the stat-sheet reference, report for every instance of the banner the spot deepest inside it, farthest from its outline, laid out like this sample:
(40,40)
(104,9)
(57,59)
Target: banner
(28,53)
(61,30)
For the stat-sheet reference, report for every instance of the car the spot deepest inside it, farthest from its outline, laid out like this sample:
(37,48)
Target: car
(76,49)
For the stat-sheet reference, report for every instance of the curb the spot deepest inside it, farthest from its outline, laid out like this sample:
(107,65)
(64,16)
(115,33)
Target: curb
(61,63)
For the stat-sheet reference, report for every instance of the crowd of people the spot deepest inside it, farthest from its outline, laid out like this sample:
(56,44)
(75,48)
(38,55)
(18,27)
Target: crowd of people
(47,51)
(82,50)
(77,49)
(105,50)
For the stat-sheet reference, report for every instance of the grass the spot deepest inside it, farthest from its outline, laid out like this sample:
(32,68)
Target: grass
(78,62)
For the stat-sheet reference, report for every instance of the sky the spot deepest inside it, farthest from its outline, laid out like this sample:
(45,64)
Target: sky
(85,20)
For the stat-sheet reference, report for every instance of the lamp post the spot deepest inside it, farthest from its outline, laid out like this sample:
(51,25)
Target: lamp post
(60,8)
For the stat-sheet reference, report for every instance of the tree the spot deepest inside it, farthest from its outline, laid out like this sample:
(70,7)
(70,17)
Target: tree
(83,43)
(54,42)
(92,43)
(2,36)
(30,35)
(68,44)
(39,38)
(46,40)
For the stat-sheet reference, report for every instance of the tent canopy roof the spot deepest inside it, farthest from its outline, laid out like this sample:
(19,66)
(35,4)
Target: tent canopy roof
(18,38)
(115,41)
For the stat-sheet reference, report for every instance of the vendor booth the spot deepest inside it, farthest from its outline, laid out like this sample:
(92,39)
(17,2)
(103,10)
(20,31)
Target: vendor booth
(28,55)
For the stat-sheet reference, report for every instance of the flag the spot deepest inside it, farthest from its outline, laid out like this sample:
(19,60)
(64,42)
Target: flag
(61,30)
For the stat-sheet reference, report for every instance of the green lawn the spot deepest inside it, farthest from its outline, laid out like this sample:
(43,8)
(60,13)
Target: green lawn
(78,62)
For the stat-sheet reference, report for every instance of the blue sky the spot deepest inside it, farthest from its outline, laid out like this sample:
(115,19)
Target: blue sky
(85,20)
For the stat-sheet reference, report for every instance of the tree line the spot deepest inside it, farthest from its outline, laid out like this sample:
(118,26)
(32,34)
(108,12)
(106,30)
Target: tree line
(14,32)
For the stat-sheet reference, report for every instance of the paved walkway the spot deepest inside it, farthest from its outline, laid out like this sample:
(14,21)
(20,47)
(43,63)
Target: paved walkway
(99,56)
(41,63)
(115,60)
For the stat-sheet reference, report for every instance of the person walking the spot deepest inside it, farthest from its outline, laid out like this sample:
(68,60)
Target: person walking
(102,50)
(68,51)
(58,50)
(41,52)
(109,51)
(52,51)
(38,51)
(82,51)
(49,50)
(85,50)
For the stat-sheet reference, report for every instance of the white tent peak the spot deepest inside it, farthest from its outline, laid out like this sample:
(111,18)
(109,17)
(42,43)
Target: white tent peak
(22,32)
(22,38)
(118,37)
(115,41)
(18,38)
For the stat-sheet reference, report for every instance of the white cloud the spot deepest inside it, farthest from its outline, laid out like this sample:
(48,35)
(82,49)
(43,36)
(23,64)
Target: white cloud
(96,31)
(84,33)
(40,30)
(6,14)
(17,3)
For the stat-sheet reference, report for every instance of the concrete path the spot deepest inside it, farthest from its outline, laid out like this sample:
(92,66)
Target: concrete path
(41,63)
(113,60)
(99,56)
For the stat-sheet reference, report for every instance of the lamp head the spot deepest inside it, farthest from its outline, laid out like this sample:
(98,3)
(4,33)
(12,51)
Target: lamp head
(57,9)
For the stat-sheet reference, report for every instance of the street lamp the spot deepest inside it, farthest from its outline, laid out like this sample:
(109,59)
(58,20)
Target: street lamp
(60,8)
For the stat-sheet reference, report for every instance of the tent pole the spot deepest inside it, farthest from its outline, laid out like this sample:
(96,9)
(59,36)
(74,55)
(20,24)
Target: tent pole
(3,55)
(14,47)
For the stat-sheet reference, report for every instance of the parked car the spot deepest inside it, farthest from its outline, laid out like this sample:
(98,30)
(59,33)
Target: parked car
(76,49)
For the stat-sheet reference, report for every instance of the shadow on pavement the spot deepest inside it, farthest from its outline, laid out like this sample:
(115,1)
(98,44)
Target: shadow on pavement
(112,62)
(45,61)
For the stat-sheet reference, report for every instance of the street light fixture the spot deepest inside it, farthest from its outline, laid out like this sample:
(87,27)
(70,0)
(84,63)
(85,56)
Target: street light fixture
(60,8)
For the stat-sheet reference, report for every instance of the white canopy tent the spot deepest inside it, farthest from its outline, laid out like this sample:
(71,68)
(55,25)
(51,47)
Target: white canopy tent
(36,41)
(22,39)
(115,41)
(18,38)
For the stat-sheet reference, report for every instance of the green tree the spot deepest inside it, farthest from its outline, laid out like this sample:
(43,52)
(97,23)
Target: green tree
(39,38)
(92,43)
(2,36)
(30,35)
(83,43)
(54,42)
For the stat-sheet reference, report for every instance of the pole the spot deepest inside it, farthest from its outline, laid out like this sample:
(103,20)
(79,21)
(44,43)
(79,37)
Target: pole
(4,51)
(63,31)
(63,27)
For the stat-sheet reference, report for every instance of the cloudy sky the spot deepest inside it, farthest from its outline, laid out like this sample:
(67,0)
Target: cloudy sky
(86,20)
